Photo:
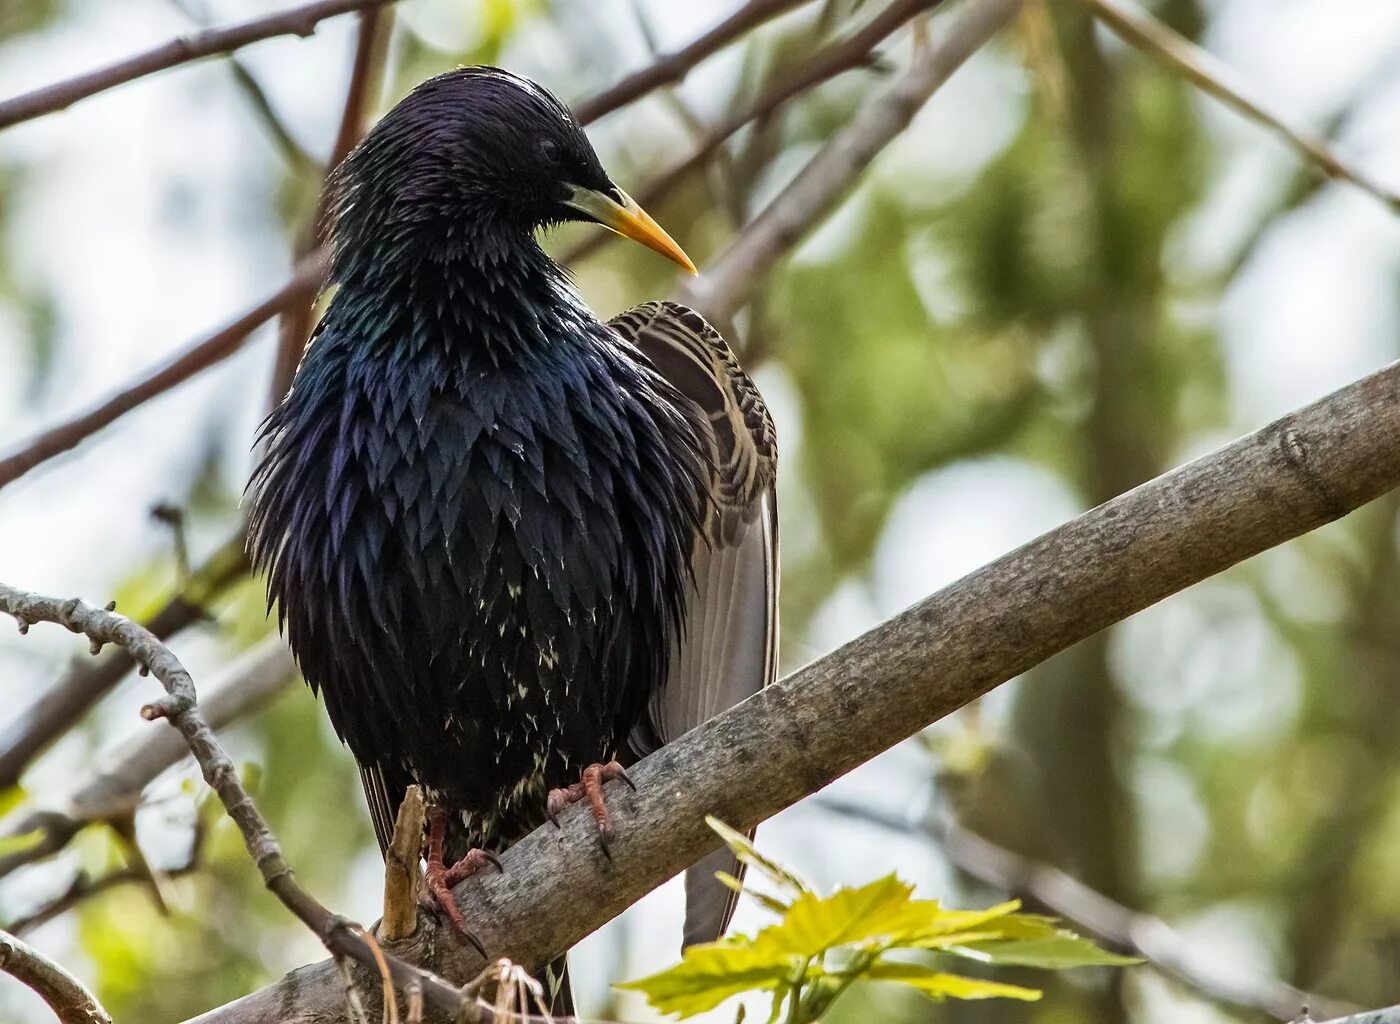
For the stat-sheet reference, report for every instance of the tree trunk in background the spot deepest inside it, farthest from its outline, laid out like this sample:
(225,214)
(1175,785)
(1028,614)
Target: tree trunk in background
(1362,703)
(1076,809)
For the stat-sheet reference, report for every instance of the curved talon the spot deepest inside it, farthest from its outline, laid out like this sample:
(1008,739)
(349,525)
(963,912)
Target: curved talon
(439,878)
(590,787)
(441,895)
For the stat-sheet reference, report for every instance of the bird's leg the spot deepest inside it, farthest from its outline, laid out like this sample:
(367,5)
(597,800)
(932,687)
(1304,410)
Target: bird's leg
(590,787)
(439,878)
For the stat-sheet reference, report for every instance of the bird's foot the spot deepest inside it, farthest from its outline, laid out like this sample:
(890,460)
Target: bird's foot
(439,878)
(590,787)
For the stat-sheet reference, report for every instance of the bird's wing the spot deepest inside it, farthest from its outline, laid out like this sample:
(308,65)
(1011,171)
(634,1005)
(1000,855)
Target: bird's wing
(383,798)
(728,648)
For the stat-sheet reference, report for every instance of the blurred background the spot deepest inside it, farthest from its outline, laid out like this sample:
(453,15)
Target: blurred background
(1072,273)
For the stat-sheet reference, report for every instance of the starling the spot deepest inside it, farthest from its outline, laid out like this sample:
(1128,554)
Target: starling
(514,547)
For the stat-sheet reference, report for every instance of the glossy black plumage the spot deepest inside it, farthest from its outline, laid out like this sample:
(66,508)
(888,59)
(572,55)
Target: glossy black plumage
(480,509)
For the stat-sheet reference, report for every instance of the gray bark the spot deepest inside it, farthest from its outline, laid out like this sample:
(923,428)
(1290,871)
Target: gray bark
(1308,468)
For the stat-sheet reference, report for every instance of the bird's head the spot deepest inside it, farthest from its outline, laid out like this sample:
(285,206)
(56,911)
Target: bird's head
(479,157)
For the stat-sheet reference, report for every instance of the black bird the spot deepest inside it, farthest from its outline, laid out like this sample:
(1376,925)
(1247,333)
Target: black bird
(513,546)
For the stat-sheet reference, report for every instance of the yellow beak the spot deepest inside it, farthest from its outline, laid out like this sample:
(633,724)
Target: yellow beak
(629,220)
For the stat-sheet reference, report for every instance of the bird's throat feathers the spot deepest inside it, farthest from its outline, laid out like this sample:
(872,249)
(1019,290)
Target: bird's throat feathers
(452,283)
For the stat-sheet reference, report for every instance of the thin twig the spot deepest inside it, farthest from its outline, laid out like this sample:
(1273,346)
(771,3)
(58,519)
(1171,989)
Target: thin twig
(370,48)
(64,994)
(729,194)
(113,790)
(839,57)
(303,285)
(1145,32)
(204,354)
(1125,929)
(297,157)
(299,21)
(386,980)
(672,67)
(55,711)
(83,888)
(830,175)
(172,517)
(342,938)
(287,144)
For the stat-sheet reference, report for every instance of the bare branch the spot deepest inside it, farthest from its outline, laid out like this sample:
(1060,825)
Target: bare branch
(342,938)
(309,275)
(58,708)
(830,175)
(673,67)
(65,994)
(370,47)
(84,888)
(113,789)
(299,21)
(1125,929)
(1146,33)
(1308,468)
(292,151)
(200,356)
(365,76)
(844,55)
(1390,1015)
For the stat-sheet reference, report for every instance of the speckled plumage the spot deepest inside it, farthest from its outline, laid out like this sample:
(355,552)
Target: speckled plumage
(480,508)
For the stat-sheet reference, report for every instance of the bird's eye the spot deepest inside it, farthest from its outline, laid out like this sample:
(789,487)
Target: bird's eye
(549,149)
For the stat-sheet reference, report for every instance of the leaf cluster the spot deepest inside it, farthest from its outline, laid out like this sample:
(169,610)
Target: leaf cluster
(821,945)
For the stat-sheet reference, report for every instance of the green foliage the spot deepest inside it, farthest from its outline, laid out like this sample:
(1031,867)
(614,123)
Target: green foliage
(858,929)
(18,17)
(21,843)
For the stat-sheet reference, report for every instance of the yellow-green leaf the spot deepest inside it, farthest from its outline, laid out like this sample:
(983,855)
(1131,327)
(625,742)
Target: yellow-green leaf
(1036,942)
(10,798)
(743,849)
(22,843)
(925,924)
(814,924)
(940,985)
(711,973)
(777,906)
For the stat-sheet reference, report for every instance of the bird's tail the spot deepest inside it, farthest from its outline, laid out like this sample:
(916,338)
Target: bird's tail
(709,903)
(558,991)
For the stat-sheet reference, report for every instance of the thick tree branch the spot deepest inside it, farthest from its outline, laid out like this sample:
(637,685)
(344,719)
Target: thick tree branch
(218,346)
(299,21)
(1146,33)
(1125,929)
(1389,1015)
(65,994)
(58,708)
(1306,469)
(830,175)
